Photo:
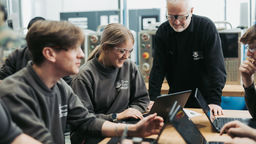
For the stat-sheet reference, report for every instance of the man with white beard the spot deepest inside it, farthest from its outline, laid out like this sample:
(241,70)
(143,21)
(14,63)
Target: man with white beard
(189,55)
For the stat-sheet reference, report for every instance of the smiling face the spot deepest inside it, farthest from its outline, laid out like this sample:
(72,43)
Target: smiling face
(118,55)
(116,45)
(179,15)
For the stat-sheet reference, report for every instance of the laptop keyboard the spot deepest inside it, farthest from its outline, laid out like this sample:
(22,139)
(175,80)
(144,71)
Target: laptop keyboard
(221,121)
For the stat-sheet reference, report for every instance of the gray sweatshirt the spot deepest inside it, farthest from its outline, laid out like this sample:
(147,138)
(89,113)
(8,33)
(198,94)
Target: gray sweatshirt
(42,112)
(106,90)
(8,130)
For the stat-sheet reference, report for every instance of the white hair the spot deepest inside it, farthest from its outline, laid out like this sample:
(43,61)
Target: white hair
(189,2)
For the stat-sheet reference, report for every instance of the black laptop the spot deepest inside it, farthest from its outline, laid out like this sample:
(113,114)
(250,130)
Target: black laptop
(163,104)
(186,128)
(218,122)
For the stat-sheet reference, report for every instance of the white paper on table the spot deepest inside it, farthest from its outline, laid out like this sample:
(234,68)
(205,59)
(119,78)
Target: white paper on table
(191,113)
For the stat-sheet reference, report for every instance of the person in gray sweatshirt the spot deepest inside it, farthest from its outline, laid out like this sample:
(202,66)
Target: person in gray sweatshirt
(10,133)
(41,103)
(110,84)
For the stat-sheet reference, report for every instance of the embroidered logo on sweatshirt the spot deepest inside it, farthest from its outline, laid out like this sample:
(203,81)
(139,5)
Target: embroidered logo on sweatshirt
(63,111)
(123,84)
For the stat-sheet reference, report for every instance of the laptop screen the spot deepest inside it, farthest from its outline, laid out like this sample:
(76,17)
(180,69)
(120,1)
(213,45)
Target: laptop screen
(186,127)
(163,103)
(201,101)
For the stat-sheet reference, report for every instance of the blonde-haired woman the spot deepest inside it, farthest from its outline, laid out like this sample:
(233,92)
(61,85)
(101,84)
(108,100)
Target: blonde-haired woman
(109,84)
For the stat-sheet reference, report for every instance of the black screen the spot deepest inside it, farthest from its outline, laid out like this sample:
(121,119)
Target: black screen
(186,127)
(230,44)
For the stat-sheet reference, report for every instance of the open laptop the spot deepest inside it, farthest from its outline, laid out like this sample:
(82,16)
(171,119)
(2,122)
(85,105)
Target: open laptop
(186,128)
(163,104)
(218,122)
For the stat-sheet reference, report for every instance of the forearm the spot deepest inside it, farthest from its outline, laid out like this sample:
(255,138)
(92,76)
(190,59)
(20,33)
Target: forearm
(10,66)
(138,92)
(215,66)
(25,139)
(26,119)
(155,84)
(214,96)
(117,129)
(140,100)
(159,68)
(5,71)
(253,134)
(105,116)
(215,82)
(142,107)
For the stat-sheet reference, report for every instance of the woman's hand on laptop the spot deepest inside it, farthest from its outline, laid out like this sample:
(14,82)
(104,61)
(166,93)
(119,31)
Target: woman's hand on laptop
(130,113)
(216,109)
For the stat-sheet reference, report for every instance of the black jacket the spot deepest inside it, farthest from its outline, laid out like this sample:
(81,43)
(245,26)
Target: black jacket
(189,59)
(14,62)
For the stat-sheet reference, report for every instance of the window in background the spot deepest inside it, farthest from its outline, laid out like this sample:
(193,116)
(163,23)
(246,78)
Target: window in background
(213,9)
(238,13)
(253,15)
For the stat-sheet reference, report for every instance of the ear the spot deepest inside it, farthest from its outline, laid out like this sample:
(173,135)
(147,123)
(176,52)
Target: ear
(192,10)
(105,49)
(49,54)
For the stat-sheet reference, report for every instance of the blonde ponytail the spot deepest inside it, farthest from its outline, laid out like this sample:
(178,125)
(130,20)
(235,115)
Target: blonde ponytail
(94,52)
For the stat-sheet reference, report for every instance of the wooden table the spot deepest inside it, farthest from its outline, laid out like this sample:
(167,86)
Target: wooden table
(171,136)
(233,90)
(228,90)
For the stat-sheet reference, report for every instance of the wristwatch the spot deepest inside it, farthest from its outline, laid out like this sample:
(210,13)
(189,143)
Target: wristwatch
(114,117)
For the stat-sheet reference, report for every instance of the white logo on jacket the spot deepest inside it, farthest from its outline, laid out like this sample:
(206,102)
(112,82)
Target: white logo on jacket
(63,111)
(123,84)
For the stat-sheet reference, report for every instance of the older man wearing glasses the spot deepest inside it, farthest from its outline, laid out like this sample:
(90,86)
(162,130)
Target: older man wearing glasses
(188,54)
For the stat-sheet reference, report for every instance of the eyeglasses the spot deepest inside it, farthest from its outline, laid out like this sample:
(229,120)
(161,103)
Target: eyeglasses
(124,50)
(252,50)
(177,17)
